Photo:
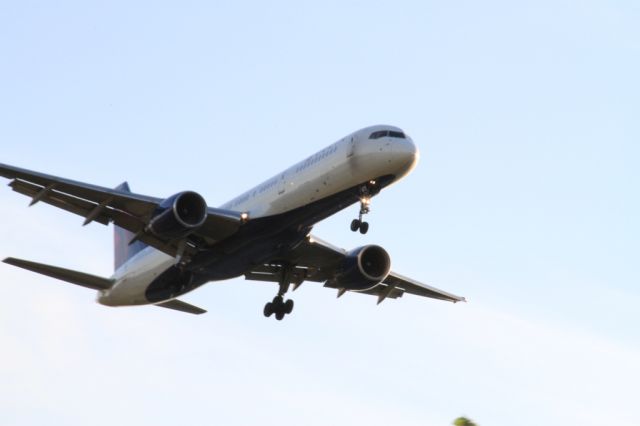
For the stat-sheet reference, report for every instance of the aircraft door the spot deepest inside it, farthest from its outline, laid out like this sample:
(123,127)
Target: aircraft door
(282,184)
(351,146)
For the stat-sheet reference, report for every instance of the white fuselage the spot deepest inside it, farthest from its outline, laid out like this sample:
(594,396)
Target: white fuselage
(351,161)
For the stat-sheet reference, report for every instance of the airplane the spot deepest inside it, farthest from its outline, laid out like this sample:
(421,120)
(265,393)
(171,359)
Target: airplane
(165,248)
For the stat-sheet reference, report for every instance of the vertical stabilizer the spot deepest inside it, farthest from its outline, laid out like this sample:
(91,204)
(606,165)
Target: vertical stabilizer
(122,250)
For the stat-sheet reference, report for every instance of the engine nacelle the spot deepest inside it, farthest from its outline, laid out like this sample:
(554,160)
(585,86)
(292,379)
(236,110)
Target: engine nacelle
(363,269)
(179,215)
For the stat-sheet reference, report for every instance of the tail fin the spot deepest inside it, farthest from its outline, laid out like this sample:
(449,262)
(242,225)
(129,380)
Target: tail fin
(122,250)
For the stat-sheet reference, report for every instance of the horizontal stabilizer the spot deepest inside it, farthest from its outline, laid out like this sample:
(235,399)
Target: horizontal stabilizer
(79,278)
(179,305)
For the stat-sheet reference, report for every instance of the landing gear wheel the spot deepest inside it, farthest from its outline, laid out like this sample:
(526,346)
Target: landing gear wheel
(268,309)
(365,192)
(288,306)
(278,306)
(364,227)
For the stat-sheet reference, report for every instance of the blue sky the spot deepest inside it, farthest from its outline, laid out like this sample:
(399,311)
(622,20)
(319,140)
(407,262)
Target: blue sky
(525,201)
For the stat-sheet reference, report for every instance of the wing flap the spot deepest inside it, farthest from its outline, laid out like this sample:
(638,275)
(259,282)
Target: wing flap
(135,204)
(127,210)
(273,273)
(60,200)
(79,278)
(88,209)
(179,305)
(383,291)
(419,289)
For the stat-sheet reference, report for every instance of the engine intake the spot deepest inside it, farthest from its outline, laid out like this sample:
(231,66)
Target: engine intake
(363,269)
(179,215)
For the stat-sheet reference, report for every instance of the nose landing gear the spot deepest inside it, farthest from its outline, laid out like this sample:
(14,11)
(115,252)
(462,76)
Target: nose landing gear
(365,192)
(358,224)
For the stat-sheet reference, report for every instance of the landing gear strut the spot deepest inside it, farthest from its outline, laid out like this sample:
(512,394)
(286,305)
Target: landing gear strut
(365,192)
(278,305)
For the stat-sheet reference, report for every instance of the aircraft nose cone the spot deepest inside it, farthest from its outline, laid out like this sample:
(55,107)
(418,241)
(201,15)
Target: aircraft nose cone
(407,152)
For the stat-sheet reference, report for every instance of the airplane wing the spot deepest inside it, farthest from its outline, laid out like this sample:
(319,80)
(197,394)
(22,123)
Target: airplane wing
(317,260)
(127,210)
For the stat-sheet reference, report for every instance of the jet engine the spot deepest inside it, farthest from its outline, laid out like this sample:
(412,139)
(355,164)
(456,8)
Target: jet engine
(363,269)
(179,215)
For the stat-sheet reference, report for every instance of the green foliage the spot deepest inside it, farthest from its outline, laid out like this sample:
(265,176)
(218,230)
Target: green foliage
(463,421)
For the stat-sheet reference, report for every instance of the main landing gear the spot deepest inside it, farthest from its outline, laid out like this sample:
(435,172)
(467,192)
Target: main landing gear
(278,305)
(365,192)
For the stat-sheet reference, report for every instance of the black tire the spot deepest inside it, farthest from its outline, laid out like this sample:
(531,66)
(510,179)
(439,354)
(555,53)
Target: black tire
(288,306)
(355,225)
(364,227)
(279,315)
(268,309)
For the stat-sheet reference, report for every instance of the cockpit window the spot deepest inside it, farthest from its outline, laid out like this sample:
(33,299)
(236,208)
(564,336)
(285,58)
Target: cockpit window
(379,134)
(383,133)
